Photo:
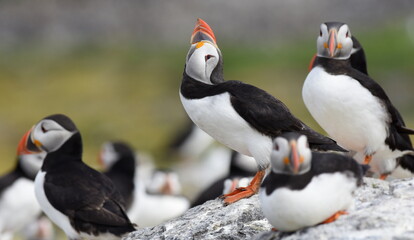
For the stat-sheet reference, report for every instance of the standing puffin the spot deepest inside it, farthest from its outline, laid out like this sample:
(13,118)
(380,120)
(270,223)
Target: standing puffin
(239,115)
(118,160)
(306,188)
(351,107)
(81,201)
(18,204)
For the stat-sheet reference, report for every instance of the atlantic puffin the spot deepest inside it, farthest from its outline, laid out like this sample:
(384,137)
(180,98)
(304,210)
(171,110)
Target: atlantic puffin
(306,188)
(83,202)
(119,163)
(351,107)
(239,115)
(158,199)
(18,204)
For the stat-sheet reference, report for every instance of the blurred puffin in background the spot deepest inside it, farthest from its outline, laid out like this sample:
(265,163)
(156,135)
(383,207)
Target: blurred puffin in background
(18,204)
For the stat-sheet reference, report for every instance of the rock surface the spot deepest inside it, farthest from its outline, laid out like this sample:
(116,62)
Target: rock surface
(383,210)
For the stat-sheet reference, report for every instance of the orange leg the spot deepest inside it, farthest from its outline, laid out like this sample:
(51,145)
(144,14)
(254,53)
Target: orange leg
(245,192)
(367,159)
(383,176)
(334,217)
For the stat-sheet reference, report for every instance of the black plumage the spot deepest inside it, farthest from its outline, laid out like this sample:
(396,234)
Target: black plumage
(321,163)
(88,198)
(262,111)
(122,172)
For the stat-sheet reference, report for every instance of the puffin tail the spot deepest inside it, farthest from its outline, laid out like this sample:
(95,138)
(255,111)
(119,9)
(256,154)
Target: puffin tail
(320,142)
(407,162)
(404,129)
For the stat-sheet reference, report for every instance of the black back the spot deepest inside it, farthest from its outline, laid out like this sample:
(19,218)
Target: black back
(261,110)
(321,163)
(358,60)
(87,197)
(122,172)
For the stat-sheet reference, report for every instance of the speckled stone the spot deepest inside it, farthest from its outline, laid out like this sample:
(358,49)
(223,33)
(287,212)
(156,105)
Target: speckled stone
(383,210)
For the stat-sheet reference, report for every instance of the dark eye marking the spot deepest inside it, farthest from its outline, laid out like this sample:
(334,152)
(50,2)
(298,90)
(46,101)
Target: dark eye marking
(207,57)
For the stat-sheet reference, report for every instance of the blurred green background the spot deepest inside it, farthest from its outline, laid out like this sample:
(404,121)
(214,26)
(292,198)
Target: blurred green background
(115,69)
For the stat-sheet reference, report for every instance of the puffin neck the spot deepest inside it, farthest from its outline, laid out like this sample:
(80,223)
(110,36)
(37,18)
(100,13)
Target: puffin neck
(70,151)
(333,66)
(125,165)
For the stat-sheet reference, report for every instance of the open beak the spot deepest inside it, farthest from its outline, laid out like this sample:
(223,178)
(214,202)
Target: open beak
(332,42)
(26,146)
(294,157)
(202,32)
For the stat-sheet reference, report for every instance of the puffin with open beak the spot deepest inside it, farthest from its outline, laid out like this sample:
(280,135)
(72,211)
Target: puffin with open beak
(351,107)
(18,204)
(306,188)
(240,116)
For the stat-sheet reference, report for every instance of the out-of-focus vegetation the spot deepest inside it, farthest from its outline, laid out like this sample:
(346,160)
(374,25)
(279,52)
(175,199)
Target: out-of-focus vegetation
(129,91)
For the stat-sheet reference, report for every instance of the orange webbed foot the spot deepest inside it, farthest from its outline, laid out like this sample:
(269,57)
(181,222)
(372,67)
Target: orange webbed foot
(245,192)
(334,217)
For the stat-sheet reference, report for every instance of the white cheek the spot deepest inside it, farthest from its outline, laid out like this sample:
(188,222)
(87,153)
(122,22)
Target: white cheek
(211,64)
(196,67)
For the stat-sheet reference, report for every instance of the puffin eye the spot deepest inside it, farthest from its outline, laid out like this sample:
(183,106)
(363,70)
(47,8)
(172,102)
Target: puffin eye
(276,147)
(320,33)
(207,57)
(44,130)
(347,34)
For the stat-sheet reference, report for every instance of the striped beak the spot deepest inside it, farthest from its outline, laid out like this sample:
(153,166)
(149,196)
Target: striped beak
(202,32)
(26,145)
(332,42)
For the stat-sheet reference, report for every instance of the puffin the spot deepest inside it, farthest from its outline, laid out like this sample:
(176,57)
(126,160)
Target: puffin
(81,201)
(118,160)
(240,169)
(306,188)
(158,199)
(351,107)
(18,204)
(238,115)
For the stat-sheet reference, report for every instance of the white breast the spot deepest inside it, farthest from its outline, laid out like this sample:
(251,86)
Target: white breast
(56,216)
(346,110)
(18,206)
(290,210)
(216,116)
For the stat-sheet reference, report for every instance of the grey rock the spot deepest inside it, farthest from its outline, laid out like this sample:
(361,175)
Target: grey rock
(383,210)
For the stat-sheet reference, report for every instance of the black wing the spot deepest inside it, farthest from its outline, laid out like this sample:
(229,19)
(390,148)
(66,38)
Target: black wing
(271,116)
(398,133)
(88,198)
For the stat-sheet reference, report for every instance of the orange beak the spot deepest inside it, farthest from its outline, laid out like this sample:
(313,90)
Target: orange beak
(22,147)
(202,32)
(294,157)
(332,42)
(312,63)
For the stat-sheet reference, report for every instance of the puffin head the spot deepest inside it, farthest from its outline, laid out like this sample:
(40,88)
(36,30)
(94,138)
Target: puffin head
(50,133)
(334,41)
(114,152)
(29,161)
(164,182)
(204,60)
(291,154)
